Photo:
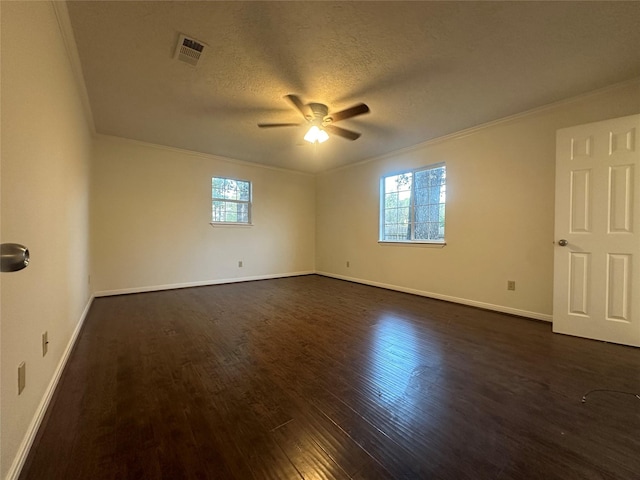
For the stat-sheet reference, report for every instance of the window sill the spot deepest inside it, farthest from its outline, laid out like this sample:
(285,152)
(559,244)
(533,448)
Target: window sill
(413,244)
(225,224)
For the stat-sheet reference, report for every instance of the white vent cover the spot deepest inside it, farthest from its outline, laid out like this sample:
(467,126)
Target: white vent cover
(189,50)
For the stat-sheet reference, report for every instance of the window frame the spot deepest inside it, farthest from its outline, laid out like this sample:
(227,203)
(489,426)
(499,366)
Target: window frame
(249,204)
(422,242)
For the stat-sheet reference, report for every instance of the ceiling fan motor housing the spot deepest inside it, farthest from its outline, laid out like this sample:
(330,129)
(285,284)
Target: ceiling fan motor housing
(319,110)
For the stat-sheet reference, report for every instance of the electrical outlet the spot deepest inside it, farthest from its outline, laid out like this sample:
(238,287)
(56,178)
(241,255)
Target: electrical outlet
(240,263)
(511,285)
(22,377)
(45,343)
(348,264)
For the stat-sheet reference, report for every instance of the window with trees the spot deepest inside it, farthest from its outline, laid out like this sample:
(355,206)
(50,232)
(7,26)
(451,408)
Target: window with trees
(412,205)
(230,201)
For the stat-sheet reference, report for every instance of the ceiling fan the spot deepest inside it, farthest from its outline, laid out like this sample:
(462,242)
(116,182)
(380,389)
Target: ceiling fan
(319,120)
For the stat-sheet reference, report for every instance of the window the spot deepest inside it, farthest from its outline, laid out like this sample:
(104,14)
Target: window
(230,201)
(412,205)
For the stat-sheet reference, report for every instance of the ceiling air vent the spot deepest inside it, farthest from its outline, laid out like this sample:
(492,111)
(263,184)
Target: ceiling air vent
(189,50)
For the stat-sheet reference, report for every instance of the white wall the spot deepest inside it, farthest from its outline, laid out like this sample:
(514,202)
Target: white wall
(150,213)
(499,213)
(45,195)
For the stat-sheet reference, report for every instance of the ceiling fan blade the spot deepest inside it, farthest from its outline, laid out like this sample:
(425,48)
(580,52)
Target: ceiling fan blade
(301,107)
(350,112)
(342,132)
(269,125)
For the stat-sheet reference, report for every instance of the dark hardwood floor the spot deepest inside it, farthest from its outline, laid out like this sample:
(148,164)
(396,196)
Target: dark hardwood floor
(317,378)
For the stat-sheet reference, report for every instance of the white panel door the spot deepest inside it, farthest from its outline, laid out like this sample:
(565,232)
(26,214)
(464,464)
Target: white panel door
(597,224)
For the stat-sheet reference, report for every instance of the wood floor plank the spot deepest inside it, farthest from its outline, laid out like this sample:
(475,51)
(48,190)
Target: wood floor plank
(312,377)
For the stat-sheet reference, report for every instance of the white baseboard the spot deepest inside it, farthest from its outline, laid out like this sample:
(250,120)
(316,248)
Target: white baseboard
(155,288)
(27,441)
(438,296)
(473,303)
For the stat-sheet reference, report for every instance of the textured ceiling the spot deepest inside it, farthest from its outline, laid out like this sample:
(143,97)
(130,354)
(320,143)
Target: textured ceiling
(425,69)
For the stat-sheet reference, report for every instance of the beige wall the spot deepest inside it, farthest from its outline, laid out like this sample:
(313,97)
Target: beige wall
(150,213)
(500,210)
(45,181)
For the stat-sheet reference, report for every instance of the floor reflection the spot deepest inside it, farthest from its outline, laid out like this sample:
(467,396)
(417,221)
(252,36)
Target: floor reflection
(404,365)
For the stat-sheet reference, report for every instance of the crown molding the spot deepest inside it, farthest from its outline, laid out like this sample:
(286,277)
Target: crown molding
(206,156)
(483,126)
(69,39)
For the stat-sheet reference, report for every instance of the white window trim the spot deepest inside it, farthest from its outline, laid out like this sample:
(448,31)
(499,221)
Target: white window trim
(230,224)
(249,223)
(422,243)
(414,243)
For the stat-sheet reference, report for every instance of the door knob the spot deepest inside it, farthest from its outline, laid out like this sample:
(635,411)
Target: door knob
(563,243)
(13,257)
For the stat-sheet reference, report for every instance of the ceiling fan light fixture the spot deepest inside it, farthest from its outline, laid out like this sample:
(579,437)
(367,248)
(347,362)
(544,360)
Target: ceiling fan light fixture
(316,134)
(317,116)
(322,136)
